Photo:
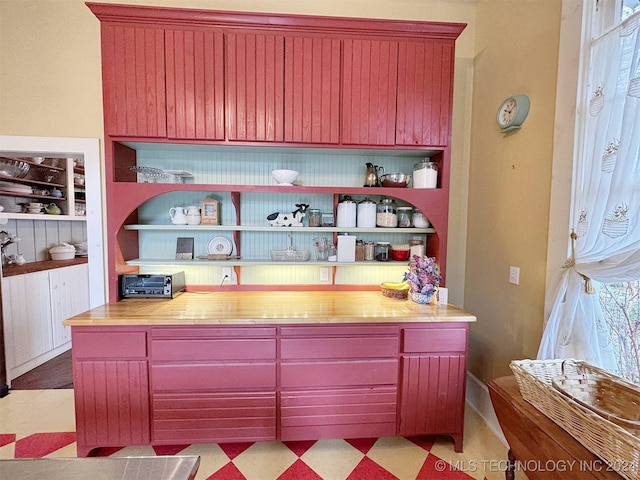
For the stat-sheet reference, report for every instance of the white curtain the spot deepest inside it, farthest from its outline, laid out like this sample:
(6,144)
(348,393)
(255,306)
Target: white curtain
(606,244)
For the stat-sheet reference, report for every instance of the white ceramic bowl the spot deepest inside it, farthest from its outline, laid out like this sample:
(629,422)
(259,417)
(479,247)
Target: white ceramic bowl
(62,252)
(285,177)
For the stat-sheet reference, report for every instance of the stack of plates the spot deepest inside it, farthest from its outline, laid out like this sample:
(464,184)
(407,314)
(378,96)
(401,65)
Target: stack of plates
(15,188)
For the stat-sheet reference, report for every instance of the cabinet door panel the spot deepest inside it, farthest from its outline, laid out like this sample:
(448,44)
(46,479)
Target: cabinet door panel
(344,347)
(192,417)
(369,92)
(112,404)
(195,90)
(434,339)
(255,86)
(312,90)
(69,296)
(432,394)
(213,349)
(338,413)
(133,77)
(27,317)
(425,80)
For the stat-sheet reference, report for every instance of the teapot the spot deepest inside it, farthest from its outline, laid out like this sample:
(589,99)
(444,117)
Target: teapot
(53,209)
(371,177)
(178,215)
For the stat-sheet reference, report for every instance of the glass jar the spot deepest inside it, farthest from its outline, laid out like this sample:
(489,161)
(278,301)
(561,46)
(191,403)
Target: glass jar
(386,215)
(315,217)
(416,247)
(359,250)
(383,251)
(369,251)
(404,216)
(425,174)
(419,220)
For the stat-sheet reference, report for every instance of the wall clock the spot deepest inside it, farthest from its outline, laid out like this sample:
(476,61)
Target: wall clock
(512,112)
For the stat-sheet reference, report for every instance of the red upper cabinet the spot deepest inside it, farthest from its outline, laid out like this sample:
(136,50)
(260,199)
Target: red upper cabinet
(255,86)
(312,90)
(425,84)
(369,92)
(133,80)
(195,83)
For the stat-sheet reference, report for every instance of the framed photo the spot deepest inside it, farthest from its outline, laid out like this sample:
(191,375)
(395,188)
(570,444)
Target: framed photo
(184,248)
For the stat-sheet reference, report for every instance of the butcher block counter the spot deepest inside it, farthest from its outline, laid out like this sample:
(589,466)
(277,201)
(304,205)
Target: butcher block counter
(251,366)
(261,308)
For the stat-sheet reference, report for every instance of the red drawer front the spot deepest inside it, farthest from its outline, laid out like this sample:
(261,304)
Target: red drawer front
(107,345)
(213,349)
(434,339)
(340,347)
(213,377)
(213,417)
(202,332)
(338,330)
(339,373)
(338,413)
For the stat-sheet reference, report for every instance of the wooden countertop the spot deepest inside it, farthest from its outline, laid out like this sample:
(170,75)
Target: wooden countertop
(31,267)
(264,308)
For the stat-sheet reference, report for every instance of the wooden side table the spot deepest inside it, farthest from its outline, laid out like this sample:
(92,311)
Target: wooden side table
(538,446)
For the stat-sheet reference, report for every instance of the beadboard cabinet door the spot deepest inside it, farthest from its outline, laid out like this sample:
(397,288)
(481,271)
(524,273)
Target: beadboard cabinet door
(69,297)
(369,92)
(425,90)
(133,79)
(312,89)
(26,308)
(255,86)
(195,83)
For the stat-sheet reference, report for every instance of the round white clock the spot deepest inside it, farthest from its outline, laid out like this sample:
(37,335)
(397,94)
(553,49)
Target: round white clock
(512,112)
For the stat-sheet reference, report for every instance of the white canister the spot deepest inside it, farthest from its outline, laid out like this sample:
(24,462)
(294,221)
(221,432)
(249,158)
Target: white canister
(366,214)
(346,213)
(346,249)
(425,175)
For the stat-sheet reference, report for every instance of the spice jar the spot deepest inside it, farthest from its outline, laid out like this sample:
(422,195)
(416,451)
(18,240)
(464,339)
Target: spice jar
(369,251)
(359,250)
(386,213)
(404,216)
(315,217)
(425,174)
(382,251)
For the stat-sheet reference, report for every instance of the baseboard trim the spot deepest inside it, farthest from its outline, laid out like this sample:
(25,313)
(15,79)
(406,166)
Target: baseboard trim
(478,398)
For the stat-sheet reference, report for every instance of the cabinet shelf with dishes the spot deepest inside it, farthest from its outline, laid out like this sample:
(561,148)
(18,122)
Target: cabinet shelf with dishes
(146,238)
(29,185)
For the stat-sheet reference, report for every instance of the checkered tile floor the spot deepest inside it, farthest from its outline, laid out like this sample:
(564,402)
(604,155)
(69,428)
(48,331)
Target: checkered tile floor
(29,430)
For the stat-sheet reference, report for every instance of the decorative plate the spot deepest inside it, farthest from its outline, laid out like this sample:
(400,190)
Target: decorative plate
(219,246)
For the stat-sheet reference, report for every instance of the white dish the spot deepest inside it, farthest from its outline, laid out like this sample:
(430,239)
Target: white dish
(219,246)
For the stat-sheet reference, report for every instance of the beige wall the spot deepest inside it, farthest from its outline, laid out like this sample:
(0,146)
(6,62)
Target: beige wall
(50,86)
(510,181)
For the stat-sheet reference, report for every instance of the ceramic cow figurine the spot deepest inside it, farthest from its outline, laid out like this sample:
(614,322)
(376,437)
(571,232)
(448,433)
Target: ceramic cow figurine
(290,219)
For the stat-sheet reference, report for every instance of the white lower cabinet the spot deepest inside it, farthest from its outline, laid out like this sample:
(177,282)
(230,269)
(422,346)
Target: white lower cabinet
(34,307)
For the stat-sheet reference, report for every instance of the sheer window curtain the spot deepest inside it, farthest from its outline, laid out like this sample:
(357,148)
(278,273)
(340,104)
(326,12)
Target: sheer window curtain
(606,199)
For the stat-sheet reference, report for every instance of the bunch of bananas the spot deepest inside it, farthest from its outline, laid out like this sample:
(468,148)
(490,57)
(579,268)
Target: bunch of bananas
(396,286)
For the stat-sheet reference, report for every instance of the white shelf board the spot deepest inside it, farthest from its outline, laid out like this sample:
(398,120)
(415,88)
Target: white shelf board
(248,263)
(263,228)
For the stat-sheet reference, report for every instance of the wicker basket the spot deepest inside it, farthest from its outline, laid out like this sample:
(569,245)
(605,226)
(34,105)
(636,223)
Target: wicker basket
(617,446)
(399,294)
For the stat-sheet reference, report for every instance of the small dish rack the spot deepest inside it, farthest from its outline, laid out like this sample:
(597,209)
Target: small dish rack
(585,401)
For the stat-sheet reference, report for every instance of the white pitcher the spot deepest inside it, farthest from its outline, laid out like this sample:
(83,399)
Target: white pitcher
(178,216)
(193,215)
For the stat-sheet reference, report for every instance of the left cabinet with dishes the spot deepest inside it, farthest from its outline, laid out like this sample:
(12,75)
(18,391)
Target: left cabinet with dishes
(48,188)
